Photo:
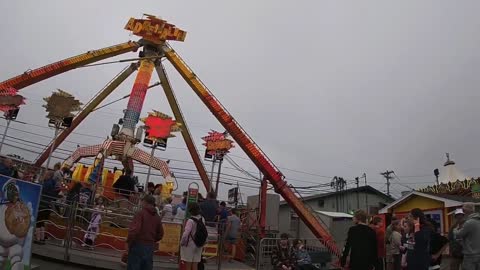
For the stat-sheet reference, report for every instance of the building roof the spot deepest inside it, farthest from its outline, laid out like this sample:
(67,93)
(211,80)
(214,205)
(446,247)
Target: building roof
(334,214)
(458,198)
(448,200)
(364,189)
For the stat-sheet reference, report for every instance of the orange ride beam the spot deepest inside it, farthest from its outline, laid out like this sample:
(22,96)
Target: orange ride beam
(33,76)
(104,93)
(187,137)
(267,167)
(137,96)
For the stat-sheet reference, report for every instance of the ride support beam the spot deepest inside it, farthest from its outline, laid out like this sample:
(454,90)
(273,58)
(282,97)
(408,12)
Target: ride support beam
(99,98)
(138,93)
(187,137)
(263,208)
(253,151)
(30,77)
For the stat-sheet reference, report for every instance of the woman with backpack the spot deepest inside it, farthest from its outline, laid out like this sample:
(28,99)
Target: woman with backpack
(194,238)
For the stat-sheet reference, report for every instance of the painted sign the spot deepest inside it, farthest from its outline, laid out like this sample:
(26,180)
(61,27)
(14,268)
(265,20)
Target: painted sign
(233,195)
(217,142)
(476,191)
(437,216)
(18,211)
(170,242)
(160,126)
(9,99)
(191,198)
(155,29)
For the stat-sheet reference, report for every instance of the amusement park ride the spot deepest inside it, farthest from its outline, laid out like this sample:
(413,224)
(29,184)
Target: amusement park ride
(155,33)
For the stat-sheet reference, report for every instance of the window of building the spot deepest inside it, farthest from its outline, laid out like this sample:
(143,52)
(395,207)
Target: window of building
(321,203)
(294,221)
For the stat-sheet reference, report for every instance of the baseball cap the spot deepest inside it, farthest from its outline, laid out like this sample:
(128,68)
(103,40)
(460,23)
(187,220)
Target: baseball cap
(459,211)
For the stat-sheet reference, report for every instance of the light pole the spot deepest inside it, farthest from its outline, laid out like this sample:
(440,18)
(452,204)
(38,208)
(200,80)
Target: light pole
(218,173)
(152,154)
(59,106)
(57,128)
(4,134)
(10,115)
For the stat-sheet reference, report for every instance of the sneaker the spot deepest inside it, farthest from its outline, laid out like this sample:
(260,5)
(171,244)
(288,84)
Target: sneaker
(124,259)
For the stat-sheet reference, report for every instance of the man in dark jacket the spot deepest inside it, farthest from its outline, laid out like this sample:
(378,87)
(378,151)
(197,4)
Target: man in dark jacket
(209,209)
(282,255)
(361,244)
(125,184)
(7,168)
(469,234)
(456,249)
(144,232)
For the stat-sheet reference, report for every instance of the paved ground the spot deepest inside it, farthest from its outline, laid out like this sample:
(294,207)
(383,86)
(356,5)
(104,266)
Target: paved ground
(54,265)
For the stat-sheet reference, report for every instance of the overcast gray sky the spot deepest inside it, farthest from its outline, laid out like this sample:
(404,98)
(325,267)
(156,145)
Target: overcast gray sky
(324,87)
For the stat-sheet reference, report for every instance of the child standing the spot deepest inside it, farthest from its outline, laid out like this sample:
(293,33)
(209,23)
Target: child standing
(94,225)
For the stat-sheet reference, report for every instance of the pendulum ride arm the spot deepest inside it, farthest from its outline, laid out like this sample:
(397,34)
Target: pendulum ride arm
(112,85)
(271,172)
(33,76)
(172,100)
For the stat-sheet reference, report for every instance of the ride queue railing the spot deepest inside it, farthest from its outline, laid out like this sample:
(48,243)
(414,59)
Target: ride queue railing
(320,255)
(67,225)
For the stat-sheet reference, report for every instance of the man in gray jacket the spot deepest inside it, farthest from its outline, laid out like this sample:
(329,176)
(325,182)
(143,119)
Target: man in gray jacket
(469,234)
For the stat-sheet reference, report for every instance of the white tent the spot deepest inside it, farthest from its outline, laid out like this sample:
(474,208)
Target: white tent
(450,173)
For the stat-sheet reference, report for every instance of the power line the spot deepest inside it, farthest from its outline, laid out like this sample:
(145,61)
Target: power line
(387,176)
(410,188)
(233,163)
(139,165)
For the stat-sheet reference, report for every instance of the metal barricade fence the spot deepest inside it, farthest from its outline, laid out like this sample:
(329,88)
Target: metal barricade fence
(321,257)
(74,228)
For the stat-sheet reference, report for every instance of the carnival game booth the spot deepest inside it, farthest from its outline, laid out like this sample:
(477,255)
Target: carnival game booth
(437,201)
(451,191)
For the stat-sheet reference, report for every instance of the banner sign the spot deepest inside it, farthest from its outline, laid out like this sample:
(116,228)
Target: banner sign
(18,212)
(170,242)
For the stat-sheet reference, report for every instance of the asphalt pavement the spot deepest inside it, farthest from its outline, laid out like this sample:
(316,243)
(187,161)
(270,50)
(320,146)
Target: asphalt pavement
(54,265)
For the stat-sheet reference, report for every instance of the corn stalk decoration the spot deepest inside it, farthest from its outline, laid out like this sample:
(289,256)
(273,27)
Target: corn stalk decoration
(60,105)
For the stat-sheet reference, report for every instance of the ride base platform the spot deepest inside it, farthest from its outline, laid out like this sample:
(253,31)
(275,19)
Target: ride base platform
(102,258)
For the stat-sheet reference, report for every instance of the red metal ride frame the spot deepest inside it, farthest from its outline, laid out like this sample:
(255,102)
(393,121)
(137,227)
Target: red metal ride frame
(267,167)
(33,76)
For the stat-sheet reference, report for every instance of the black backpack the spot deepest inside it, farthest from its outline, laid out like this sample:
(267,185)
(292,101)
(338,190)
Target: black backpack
(201,235)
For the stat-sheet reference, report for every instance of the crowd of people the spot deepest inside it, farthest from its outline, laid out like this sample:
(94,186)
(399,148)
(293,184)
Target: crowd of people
(291,257)
(206,217)
(413,243)
(56,197)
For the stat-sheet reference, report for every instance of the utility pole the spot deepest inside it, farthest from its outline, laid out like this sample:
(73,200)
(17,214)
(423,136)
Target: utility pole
(364,176)
(339,184)
(218,176)
(357,182)
(387,175)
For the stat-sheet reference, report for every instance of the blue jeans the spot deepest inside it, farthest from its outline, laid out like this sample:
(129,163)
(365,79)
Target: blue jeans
(140,257)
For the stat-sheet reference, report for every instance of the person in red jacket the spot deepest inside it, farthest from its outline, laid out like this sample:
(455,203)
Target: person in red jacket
(377,225)
(144,232)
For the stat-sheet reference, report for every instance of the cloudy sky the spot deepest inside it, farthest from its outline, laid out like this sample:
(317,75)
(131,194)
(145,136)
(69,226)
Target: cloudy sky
(324,87)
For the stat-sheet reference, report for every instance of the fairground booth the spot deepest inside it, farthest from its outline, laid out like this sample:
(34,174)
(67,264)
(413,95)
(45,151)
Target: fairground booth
(439,201)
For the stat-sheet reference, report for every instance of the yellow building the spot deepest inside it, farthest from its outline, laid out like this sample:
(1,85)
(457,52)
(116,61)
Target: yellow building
(439,201)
